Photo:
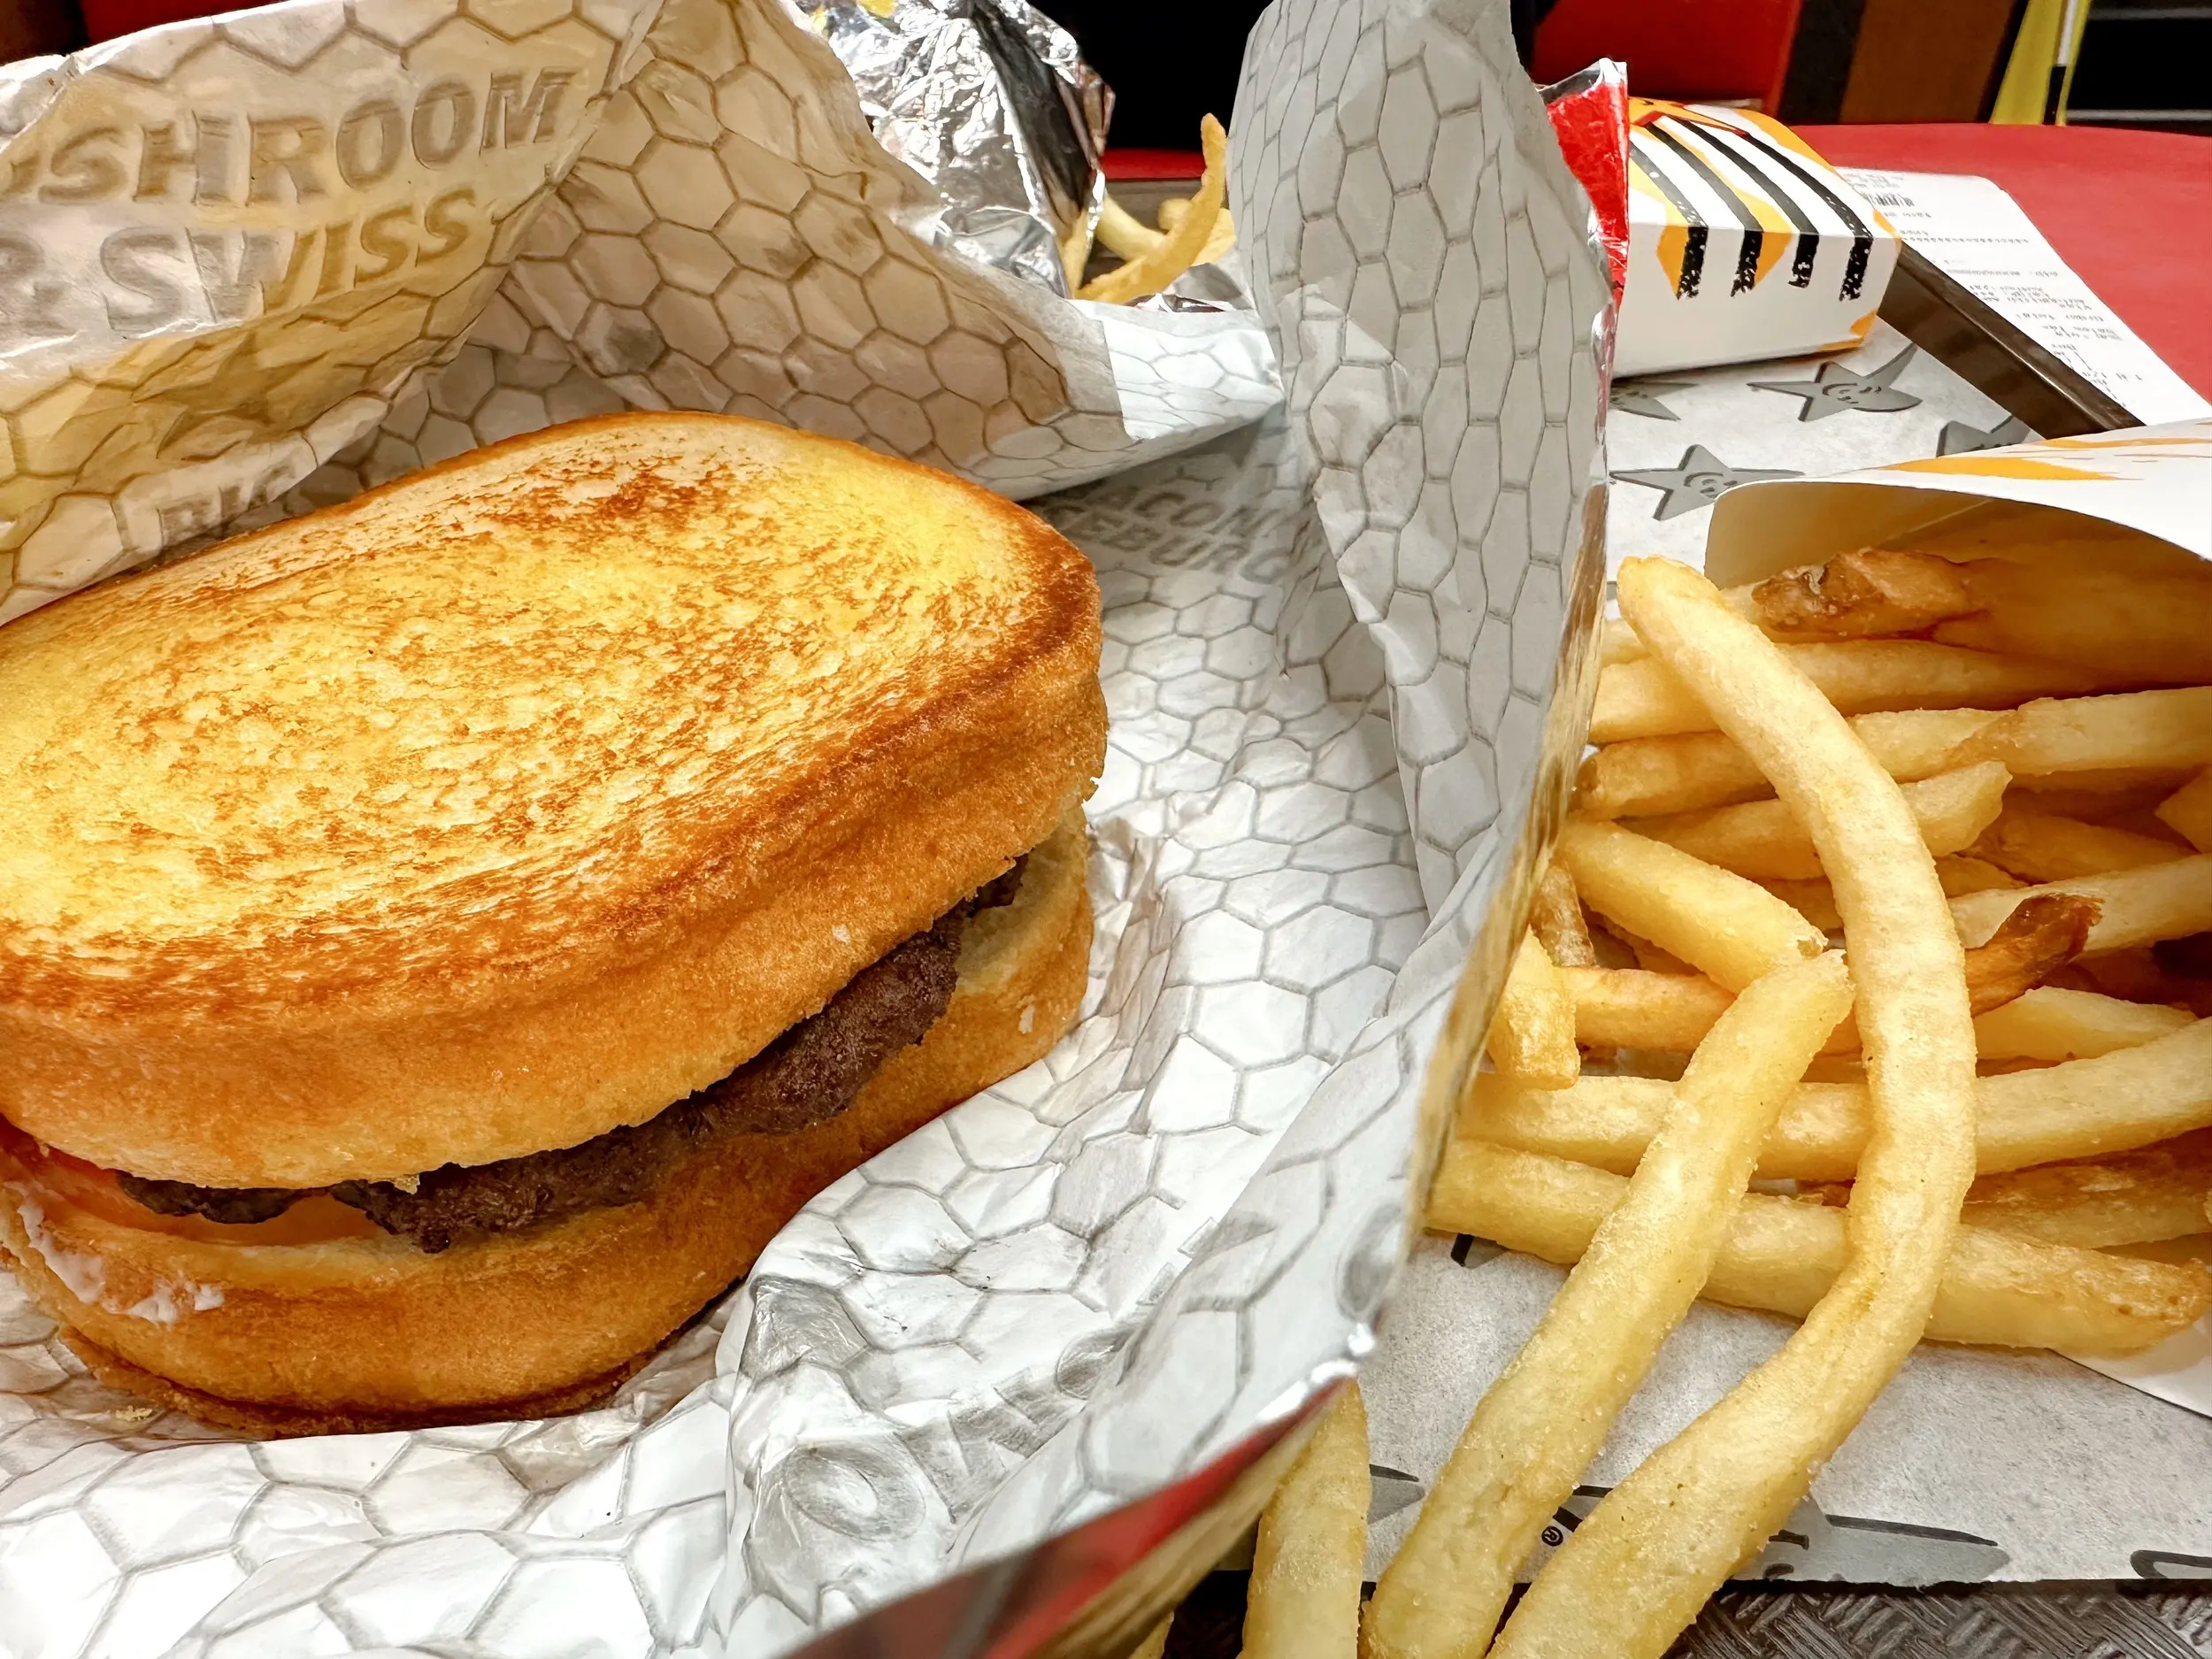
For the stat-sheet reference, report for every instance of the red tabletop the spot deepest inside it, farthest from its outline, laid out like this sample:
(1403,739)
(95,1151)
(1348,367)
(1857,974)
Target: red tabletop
(2129,211)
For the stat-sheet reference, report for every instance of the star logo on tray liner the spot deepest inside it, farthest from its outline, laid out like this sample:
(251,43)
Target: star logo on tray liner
(1958,438)
(1836,388)
(1699,479)
(1642,397)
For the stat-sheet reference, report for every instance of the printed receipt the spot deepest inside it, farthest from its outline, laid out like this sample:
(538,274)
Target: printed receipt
(1979,236)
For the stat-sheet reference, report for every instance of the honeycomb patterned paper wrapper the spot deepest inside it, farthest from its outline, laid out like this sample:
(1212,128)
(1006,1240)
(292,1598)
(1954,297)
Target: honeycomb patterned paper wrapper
(252,264)
(1346,657)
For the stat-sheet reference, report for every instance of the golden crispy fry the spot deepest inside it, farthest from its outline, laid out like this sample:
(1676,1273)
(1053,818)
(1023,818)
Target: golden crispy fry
(2000,1289)
(1641,953)
(1673,1011)
(1646,699)
(1629,1008)
(1557,918)
(2135,1198)
(1764,841)
(1634,1575)
(1532,1037)
(1153,270)
(1957,873)
(2138,730)
(1123,234)
(1869,592)
(1544,1419)
(2144,626)
(1647,776)
(2136,907)
(1177,208)
(1618,642)
(2043,847)
(2049,1023)
(1310,1558)
(1718,922)
(2084,1108)
(2189,811)
(1155,1644)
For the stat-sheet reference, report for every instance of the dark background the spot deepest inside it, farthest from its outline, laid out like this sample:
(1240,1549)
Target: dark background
(1168,65)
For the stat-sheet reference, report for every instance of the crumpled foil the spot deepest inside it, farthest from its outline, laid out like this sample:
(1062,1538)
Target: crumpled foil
(1345,656)
(990,101)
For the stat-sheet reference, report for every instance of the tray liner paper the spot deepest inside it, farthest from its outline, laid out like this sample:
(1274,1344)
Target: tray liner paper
(1335,644)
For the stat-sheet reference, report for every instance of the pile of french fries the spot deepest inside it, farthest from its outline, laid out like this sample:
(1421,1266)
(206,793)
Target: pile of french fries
(1194,229)
(1869,984)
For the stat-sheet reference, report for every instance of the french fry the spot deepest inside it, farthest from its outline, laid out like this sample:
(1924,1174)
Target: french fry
(1646,699)
(1155,269)
(1155,1644)
(2050,1023)
(1634,1575)
(2043,847)
(1646,776)
(1868,592)
(1543,1420)
(1618,642)
(1764,841)
(2135,1198)
(1629,1008)
(2155,627)
(1310,1556)
(1956,872)
(1177,208)
(2135,907)
(1672,1012)
(1123,234)
(2000,1289)
(1532,1036)
(1556,916)
(2109,788)
(2082,1108)
(1720,924)
(2189,811)
(2134,731)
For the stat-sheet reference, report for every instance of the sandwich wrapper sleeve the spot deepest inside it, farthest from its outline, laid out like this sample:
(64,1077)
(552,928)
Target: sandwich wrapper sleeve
(1347,651)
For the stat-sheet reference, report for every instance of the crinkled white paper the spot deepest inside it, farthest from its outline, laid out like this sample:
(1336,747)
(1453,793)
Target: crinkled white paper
(236,255)
(1333,646)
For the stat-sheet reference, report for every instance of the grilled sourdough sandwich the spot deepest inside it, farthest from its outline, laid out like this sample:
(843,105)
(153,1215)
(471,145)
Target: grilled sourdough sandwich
(442,938)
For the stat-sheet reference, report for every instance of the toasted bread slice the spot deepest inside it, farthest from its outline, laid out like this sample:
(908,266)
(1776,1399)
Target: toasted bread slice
(372,1333)
(513,801)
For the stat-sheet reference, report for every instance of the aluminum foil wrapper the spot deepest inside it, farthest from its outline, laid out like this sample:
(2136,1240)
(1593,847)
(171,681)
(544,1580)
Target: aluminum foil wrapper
(990,101)
(1345,656)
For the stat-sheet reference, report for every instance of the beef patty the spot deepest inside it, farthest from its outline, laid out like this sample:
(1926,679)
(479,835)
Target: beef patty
(813,1072)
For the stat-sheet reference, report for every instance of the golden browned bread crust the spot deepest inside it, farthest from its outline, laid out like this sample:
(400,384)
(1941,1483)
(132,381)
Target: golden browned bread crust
(371,1334)
(513,801)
